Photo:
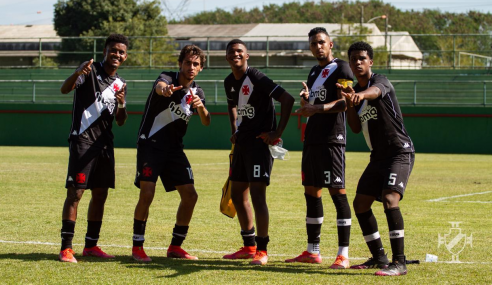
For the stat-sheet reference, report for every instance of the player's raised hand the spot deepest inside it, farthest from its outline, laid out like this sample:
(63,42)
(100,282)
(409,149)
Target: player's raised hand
(304,92)
(85,68)
(168,90)
(350,95)
(120,94)
(196,102)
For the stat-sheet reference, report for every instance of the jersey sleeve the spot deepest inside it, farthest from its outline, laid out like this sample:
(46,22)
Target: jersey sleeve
(269,87)
(382,83)
(163,78)
(346,72)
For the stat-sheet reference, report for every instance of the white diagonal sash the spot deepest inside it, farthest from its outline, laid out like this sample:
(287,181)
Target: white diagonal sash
(244,95)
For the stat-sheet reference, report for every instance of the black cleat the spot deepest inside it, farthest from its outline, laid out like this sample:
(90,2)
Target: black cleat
(395,268)
(380,262)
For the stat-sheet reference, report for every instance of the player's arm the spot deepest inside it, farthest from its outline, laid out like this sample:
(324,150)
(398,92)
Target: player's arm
(286,103)
(197,103)
(353,120)
(121,114)
(232,110)
(163,89)
(69,83)
(307,110)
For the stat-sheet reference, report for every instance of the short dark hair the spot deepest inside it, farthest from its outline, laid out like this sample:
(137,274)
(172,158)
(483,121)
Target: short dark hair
(192,50)
(234,42)
(316,31)
(116,38)
(361,46)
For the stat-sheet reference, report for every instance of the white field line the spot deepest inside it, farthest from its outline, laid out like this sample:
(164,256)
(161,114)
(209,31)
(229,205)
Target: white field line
(200,250)
(459,196)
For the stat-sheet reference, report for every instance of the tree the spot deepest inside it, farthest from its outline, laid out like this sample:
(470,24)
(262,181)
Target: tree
(138,20)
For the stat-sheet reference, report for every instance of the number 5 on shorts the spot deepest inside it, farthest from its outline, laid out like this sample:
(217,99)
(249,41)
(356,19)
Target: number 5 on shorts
(392,179)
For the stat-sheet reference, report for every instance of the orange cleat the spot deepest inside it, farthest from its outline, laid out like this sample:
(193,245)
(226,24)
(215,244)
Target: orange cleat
(261,258)
(175,251)
(306,257)
(340,263)
(245,252)
(66,255)
(96,252)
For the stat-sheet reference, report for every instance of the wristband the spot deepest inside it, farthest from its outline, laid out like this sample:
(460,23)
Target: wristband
(122,105)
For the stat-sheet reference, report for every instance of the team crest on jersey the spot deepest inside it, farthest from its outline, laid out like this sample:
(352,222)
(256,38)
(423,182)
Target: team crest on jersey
(116,87)
(246,111)
(245,90)
(325,73)
(319,92)
(369,112)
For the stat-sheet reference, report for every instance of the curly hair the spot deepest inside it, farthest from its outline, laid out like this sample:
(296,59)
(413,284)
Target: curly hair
(316,31)
(234,42)
(116,38)
(192,50)
(361,46)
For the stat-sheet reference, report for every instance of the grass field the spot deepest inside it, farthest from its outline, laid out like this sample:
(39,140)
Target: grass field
(442,189)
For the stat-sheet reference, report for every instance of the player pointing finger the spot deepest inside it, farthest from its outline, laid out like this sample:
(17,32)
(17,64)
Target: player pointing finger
(84,68)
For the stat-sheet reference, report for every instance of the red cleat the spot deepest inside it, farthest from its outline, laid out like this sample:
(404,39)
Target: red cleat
(175,251)
(340,263)
(96,252)
(66,255)
(261,258)
(245,252)
(139,255)
(306,257)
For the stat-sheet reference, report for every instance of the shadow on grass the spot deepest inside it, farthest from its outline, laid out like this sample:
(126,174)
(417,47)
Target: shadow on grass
(184,267)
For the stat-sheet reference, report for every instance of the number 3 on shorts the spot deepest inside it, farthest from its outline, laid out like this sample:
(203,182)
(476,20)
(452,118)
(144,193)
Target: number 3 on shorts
(256,171)
(392,179)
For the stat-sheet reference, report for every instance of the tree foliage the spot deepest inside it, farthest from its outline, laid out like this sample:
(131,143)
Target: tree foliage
(138,20)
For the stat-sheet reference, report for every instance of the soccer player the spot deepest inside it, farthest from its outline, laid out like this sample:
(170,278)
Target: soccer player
(171,103)
(373,108)
(99,97)
(323,155)
(251,110)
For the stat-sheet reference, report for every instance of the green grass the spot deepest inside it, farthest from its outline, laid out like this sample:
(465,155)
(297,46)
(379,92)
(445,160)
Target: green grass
(32,193)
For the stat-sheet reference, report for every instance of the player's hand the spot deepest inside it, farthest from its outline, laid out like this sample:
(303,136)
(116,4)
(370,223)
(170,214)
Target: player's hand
(196,101)
(269,138)
(304,92)
(120,94)
(168,90)
(84,68)
(307,110)
(348,92)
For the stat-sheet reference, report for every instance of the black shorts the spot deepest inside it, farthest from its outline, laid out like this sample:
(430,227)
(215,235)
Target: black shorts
(172,166)
(252,163)
(387,174)
(90,166)
(323,166)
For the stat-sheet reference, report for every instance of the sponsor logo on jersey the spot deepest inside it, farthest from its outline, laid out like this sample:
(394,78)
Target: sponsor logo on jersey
(246,111)
(265,175)
(325,73)
(80,178)
(368,113)
(245,90)
(339,137)
(143,136)
(401,185)
(338,180)
(406,145)
(320,93)
(147,171)
(176,109)
(232,89)
(70,178)
(99,78)
(74,133)
(312,73)
(108,99)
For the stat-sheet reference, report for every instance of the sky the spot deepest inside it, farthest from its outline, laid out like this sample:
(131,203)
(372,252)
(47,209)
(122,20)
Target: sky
(38,12)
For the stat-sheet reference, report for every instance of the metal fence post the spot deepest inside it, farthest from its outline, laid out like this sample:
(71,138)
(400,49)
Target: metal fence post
(484,94)
(40,53)
(208,53)
(389,59)
(95,50)
(267,50)
(216,90)
(454,51)
(415,93)
(150,53)
(33,92)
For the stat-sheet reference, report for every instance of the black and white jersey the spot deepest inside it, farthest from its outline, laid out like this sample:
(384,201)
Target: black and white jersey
(324,128)
(165,119)
(253,96)
(94,106)
(382,122)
